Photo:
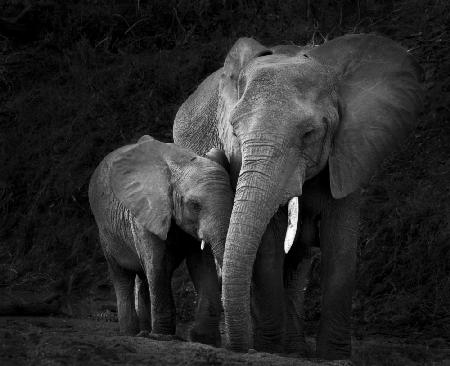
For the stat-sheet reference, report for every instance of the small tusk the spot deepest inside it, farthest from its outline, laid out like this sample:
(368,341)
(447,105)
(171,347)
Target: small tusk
(202,245)
(292,224)
(218,269)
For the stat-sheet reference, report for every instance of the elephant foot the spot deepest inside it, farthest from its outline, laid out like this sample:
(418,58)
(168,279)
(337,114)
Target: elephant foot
(145,326)
(129,328)
(328,350)
(269,348)
(299,349)
(268,344)
(301,355)
(206,337)
(159,337)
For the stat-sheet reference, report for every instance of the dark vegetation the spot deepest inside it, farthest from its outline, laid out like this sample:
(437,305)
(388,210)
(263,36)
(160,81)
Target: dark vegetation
(78,79)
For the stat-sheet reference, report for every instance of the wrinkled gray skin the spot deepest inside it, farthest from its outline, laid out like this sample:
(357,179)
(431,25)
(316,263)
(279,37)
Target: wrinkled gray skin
(153,202)
(313,123)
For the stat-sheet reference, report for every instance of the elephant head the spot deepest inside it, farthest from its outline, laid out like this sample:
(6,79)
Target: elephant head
(163,183)
(286,113)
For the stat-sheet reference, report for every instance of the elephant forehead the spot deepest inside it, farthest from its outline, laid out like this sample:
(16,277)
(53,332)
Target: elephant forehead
(210,192)
(288,82)
(204,174)
(290,67)
(297,98)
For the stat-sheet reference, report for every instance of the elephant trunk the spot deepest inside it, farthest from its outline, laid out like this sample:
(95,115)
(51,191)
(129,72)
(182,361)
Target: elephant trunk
(218,242)
(257,198)
(214,223)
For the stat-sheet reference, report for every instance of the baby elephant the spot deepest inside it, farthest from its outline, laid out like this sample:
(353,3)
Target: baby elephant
(153,204)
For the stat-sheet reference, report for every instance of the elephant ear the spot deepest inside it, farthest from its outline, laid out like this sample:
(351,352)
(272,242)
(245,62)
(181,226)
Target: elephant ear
(244,50)
(193,123)
(241,53)
(145,138)
(140,180)
(379,96)
(218,156)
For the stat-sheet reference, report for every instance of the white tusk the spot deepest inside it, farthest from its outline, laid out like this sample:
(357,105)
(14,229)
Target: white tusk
(218,270)
(202,245)
(292,224)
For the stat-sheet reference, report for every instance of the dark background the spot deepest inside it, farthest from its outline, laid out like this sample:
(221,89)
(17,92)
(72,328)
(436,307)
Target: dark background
(79,79)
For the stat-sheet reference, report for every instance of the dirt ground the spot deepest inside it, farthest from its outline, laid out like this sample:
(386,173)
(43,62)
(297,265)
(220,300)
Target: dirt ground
(62,341)
(84,331)
(70,341)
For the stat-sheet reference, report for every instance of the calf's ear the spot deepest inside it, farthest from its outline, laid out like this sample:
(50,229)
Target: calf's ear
(140,179)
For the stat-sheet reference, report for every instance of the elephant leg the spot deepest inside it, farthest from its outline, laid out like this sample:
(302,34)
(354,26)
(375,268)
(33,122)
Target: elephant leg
(268,308)
(297,267)
(123,282)
(296,281)
(142,299)
(338,241)
(159,264)
(203,273)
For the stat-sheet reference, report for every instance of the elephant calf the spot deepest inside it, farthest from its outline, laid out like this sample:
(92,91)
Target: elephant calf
(153,204)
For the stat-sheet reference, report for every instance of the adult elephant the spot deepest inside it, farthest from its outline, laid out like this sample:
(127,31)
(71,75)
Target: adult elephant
(310,122)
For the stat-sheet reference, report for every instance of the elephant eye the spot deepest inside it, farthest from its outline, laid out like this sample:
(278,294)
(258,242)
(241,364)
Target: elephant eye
(308,134)
(193,205)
